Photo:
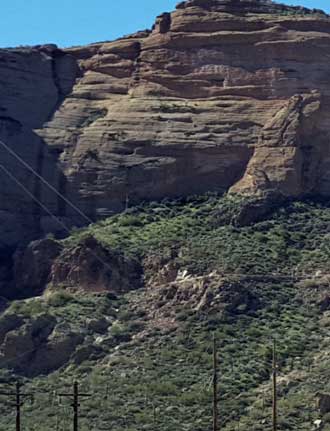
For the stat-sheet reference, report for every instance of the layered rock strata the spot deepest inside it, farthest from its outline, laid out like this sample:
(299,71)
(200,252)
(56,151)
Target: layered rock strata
(220,95)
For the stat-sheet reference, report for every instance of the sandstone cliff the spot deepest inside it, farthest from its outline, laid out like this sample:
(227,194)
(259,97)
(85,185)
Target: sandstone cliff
(220,95)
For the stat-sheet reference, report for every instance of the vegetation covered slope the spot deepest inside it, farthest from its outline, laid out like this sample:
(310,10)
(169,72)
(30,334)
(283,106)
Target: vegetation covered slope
(206,233)
(151,369)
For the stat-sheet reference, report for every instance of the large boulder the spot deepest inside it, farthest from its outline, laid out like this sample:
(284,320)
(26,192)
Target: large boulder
(86,265)
(37,345)
(55,353)
(91,267)
(21,340)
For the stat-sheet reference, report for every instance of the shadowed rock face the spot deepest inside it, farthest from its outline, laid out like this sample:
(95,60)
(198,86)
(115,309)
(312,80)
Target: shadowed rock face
(220,95)
(33,84)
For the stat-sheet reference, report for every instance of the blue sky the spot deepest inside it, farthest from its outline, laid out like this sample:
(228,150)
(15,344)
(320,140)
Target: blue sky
(75,22)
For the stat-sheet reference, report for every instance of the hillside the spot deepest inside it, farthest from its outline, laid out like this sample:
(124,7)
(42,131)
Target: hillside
(158,191)
(146,354)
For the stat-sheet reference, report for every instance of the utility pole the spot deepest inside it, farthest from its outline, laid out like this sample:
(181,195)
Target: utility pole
(18,406)
(215,386)
(19,402)
(274,387)
(75,404)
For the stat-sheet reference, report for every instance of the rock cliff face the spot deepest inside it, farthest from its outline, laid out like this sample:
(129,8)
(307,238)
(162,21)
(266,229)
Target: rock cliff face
(220,95)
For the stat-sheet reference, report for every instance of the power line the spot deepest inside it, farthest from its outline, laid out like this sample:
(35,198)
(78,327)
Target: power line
(33,197)
(76,395)
(90,221)
(33,171)
(49,212)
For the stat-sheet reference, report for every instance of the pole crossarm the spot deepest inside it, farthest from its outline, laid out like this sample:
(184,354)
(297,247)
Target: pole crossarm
(76,395)
(19,402)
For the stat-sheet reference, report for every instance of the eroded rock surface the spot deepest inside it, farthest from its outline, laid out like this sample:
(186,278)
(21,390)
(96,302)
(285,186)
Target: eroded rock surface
(166,304)
(85,266)
(90,267)
(37,346)
(207,292)
(220,95)
(34,343)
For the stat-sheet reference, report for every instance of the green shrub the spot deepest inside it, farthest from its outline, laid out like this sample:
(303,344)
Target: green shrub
(59,299)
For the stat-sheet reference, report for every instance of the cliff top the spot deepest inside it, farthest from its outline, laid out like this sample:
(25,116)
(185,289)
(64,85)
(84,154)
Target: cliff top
(254,6)
(246,6)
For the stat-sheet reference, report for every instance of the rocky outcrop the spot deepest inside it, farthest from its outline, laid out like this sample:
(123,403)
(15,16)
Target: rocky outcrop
(166,304)
(204,294)
(284,159)
(84,266)
(35,346)
(90,266)
(220,95)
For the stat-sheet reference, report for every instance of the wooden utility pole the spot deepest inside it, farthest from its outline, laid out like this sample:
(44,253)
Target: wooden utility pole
(274,387)
(75,404)
(19,402)
(215,386)
(18,406)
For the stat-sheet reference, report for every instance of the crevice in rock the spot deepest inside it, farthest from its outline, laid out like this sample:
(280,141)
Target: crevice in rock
(137,64)
(57,55)
(56,80)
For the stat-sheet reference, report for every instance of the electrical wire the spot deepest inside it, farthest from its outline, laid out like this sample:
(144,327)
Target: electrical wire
(89,220)
(19,183)
(33,171)
(34,198)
